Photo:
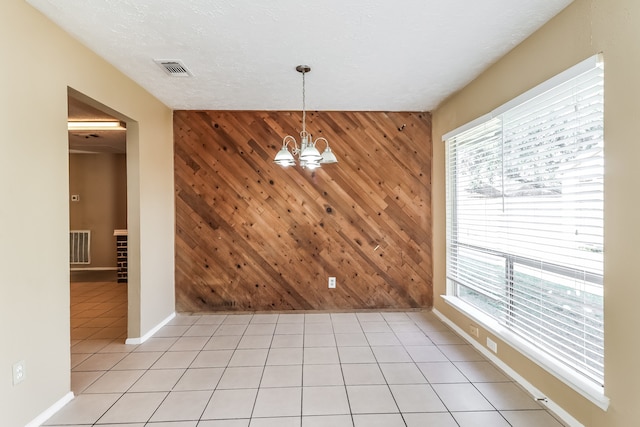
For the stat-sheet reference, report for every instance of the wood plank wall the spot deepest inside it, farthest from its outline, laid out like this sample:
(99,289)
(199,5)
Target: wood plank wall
(252,236)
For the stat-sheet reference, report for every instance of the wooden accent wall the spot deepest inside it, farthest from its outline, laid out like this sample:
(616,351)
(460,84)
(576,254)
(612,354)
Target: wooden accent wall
(253,236)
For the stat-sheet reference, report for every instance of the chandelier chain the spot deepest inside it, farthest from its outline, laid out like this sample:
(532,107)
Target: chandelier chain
(304,106)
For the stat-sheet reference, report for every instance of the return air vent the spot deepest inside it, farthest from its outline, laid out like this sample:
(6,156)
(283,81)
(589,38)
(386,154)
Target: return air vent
(174,68)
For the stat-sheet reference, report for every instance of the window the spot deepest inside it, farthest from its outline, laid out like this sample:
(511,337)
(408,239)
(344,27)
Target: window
(525,218)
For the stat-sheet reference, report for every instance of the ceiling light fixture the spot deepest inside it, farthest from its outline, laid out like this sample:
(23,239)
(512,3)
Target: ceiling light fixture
(96,125)
(308,155)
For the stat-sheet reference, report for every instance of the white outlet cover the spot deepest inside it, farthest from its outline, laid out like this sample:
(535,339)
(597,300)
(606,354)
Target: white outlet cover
(332,282)
(19,372)
(493,346)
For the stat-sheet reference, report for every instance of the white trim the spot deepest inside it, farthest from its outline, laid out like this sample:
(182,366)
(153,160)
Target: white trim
(581,385)
(49,412)
(533,391)
(149,334)
(576,70)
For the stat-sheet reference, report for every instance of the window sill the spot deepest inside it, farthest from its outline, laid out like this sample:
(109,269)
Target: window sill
(581,385)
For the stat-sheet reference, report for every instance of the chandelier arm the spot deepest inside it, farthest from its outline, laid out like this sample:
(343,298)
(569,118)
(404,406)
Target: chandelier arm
(326,143)
(289,139)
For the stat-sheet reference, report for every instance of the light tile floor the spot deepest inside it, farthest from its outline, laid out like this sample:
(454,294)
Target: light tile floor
(286,370)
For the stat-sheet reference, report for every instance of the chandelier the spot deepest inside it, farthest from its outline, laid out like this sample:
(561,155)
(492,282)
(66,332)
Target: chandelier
(308,155)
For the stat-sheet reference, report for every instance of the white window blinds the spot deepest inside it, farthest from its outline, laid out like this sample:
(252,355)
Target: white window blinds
(525,219)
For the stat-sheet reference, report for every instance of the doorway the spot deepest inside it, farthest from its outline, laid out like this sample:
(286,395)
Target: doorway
(97,220)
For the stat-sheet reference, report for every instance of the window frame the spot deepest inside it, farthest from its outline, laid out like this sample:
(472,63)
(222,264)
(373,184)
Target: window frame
(581,384)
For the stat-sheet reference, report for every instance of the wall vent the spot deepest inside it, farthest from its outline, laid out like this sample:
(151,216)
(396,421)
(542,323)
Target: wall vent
(80,247)
(173,68)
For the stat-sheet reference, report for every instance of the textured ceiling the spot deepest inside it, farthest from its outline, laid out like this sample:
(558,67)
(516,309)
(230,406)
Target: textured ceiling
(93,141)
(406,55)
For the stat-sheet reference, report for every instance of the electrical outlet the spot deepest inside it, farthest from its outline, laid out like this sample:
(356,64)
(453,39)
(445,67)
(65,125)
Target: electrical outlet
(492,345)
(19,372)
(473,329)
(332,282)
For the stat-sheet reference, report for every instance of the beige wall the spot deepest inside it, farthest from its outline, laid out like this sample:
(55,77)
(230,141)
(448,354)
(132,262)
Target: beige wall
(34,187)
(583,29)
(101,182)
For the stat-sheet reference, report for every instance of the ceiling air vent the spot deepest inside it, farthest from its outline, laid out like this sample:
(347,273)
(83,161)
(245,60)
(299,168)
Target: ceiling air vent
(174,68)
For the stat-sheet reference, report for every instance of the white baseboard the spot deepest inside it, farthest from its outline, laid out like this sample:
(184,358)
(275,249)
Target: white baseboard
(537,394)
(149,334)
(40,419)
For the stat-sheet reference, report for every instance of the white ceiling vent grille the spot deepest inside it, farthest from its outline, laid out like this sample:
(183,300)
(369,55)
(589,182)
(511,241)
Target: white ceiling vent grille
(173,68)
